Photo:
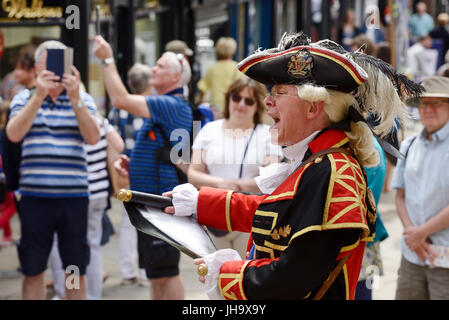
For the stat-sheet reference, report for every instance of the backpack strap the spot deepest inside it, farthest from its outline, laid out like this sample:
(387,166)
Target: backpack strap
(408,148)
(158,155)
(163,154)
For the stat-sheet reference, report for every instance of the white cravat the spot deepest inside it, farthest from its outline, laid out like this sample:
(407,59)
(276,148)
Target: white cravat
(271,176)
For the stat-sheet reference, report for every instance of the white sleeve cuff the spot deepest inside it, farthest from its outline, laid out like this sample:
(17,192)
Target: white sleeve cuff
(185,199)
(214,261)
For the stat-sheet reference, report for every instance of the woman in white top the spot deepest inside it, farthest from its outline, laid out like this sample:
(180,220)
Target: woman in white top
(227,153)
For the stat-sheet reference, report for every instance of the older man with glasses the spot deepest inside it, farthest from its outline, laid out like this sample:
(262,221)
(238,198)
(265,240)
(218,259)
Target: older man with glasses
(421,181)
(148,172)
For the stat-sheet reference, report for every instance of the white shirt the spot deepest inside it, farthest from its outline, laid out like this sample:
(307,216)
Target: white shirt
(424,175)
(225,150)
(97,165)
(421,61)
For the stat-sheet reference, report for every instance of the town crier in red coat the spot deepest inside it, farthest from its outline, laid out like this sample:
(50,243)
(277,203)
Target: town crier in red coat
(307,233)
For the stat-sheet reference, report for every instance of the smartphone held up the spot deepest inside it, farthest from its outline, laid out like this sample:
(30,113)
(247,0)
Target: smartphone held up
(60,61)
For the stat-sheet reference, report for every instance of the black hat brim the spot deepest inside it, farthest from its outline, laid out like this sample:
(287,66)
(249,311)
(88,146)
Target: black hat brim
(318,66)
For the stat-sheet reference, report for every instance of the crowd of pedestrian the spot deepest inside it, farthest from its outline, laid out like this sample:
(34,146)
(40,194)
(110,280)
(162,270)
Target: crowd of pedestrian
(71,160)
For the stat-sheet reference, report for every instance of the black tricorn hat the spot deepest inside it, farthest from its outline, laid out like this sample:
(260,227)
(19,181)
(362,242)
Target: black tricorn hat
(304,64)
(375,85)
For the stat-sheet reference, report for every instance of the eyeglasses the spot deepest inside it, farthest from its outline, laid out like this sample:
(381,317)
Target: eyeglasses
(180,58)
(237,98)
(277,94)
(433,104)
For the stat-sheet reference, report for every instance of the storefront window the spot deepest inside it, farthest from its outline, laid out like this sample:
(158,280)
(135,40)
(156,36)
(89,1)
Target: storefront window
(285,11)
(146,40)
(211,23)
(15,38)
(17,52)
(96,84)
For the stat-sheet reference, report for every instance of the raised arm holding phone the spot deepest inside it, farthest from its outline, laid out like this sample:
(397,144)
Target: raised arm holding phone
(162,113)
(51,85)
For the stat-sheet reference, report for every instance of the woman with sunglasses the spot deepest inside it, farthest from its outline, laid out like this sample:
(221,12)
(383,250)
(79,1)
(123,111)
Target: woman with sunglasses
(227,153)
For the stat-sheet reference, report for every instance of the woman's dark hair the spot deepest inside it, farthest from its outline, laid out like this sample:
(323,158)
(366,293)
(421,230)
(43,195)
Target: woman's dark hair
(259,93)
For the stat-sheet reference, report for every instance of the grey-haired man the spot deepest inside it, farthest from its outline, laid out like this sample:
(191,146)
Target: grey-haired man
(54,121)
(421,181)
(162,114)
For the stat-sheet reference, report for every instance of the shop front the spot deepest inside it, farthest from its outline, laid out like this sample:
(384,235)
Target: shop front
(131,26)
(24,25)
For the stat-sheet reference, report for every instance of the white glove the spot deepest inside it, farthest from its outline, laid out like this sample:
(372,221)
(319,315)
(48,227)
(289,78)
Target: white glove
(214,261)
(185,199)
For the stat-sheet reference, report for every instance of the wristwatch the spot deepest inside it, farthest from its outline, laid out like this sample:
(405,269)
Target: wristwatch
(107,61)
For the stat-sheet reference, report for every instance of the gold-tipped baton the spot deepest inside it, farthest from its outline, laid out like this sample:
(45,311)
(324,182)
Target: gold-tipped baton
(202,269)
(153,200)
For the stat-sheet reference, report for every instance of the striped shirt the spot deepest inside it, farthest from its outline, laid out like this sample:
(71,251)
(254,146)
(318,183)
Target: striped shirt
(127,125)
(171,112)
(98,176)
(53,163)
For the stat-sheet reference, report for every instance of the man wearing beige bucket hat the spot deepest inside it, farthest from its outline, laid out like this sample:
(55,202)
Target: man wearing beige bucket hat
(178,46)
(421,181)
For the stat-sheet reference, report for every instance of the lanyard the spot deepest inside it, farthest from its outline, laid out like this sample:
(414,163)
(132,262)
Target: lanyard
(246,150)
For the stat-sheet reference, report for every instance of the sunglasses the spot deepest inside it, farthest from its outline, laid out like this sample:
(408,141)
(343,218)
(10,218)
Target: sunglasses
(180,58)
(248,101)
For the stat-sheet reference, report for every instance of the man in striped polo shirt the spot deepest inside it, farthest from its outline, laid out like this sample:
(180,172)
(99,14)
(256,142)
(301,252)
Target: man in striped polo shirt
(164,113)
(53,120)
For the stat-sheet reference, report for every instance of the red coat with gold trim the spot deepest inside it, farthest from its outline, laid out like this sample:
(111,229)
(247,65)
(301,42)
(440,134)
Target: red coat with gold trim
(317,216)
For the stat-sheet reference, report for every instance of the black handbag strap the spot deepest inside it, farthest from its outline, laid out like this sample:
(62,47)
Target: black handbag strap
(167,146)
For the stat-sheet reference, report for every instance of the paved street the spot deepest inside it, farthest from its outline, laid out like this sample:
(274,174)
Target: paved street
(11,279)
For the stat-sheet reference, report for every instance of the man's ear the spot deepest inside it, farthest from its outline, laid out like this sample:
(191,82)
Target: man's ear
(314,109)
(177,77)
